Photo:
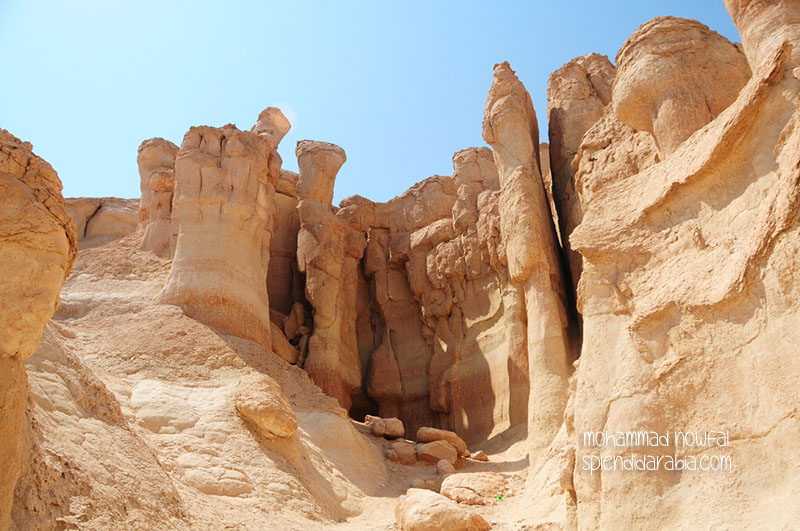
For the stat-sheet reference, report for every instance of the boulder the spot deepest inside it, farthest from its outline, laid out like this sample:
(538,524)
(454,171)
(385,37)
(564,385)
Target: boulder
(402,452)
(445,467)
(261,403)
(426,434)
(435,451)
(423,510)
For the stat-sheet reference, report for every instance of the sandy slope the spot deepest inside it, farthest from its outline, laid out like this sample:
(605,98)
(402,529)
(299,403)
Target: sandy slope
(133,423)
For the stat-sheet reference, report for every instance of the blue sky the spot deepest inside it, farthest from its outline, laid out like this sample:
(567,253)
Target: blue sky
(399,85)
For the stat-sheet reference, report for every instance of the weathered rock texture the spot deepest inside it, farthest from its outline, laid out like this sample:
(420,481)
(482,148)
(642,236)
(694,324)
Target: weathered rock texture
(156,161)
(576,96)
(328,253)
(666,83)
(765,25)
(99,220)
(223,208)
(533,261)
(689,280)
(38,245)
(423,510)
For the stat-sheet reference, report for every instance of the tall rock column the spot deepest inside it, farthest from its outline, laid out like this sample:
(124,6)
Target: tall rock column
(38,245)
(156,161)
(223,214)
(510,127)
(328,252)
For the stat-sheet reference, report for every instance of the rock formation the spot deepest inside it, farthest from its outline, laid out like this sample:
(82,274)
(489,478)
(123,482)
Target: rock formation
(667,85)
(38,244)
(533,264)
(576,96)
(156,161)
(223,208)
(672,204)
(328,253)
(99,220)
(688,268)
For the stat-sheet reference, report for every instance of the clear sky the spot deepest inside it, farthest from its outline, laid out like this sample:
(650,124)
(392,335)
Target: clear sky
(399,85)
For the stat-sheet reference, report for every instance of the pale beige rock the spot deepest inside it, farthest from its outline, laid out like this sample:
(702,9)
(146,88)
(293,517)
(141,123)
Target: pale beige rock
(480,455)
(224,193)
(261,402)
(284,282)
(319,163)
(426,434)
(690,260)
(577,93)
(423,510)
(445,467)
(450,325)
(667,83)
(433,483)
(474,488)
(272,126)
(510,127)
(99,220)
(38,245)
(281,345)
(435,451)
(156,161)
(764,25)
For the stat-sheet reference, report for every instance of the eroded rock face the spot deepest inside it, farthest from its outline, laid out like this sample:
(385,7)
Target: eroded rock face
(223,209)
(510,127)
(674,75)
(99,220)
(690,268)
(156,161)
(38,244)
(577,93)
(764,25)
(328,253)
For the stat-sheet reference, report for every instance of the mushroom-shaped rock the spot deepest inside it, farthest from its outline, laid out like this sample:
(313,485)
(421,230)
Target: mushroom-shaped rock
(329,251)
(424,510)
(764,25)
(223,209)
(262,404)
(38,245)
(272,126)
(435,451)
(426,434)
(674,75)
(319,163)
(474,488)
